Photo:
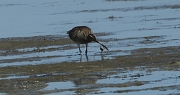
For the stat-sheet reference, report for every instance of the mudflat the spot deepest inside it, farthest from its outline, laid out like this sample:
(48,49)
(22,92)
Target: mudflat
(35,79)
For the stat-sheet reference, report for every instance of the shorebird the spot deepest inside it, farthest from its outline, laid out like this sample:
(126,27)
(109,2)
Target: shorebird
(83,35)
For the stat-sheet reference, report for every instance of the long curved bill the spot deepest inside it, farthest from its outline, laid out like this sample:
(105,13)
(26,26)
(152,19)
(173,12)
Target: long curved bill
(102,45)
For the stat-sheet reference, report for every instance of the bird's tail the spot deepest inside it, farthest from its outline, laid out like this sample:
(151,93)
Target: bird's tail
(102,45)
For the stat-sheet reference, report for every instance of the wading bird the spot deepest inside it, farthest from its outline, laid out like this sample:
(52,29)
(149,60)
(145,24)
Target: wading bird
(83,35)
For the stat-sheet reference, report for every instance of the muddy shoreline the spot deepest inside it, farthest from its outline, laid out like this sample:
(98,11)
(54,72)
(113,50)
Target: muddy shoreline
(29,79)
(37,57)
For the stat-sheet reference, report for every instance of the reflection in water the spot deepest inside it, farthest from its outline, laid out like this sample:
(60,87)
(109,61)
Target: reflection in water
(86,58)
(102,56)
(84,81)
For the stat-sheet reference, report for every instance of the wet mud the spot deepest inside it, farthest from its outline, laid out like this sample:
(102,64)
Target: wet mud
(34,79)
(38,58)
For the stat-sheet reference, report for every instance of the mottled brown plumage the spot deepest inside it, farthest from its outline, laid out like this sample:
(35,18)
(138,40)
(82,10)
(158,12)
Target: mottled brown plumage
(83,35)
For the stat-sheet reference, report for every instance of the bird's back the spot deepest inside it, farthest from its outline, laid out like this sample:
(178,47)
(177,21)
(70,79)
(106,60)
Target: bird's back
(79,34)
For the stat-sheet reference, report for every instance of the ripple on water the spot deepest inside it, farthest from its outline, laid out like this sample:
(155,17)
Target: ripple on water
(161,82)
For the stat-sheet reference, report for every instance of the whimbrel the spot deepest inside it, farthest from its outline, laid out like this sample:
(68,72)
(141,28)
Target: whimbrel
(83,35)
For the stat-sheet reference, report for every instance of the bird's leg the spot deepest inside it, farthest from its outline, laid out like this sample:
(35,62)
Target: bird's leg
(79,49)
(86,49)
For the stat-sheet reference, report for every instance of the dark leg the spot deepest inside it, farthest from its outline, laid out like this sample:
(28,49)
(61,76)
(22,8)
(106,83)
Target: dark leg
(86,48)
(79,49)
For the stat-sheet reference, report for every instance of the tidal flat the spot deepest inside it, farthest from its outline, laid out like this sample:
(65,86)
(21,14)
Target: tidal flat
(136,69)
(38,58)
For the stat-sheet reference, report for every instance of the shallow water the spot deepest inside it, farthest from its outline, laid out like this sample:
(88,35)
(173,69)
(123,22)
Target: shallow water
(125,25)
(137,18)
(157,82)
(128,23)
